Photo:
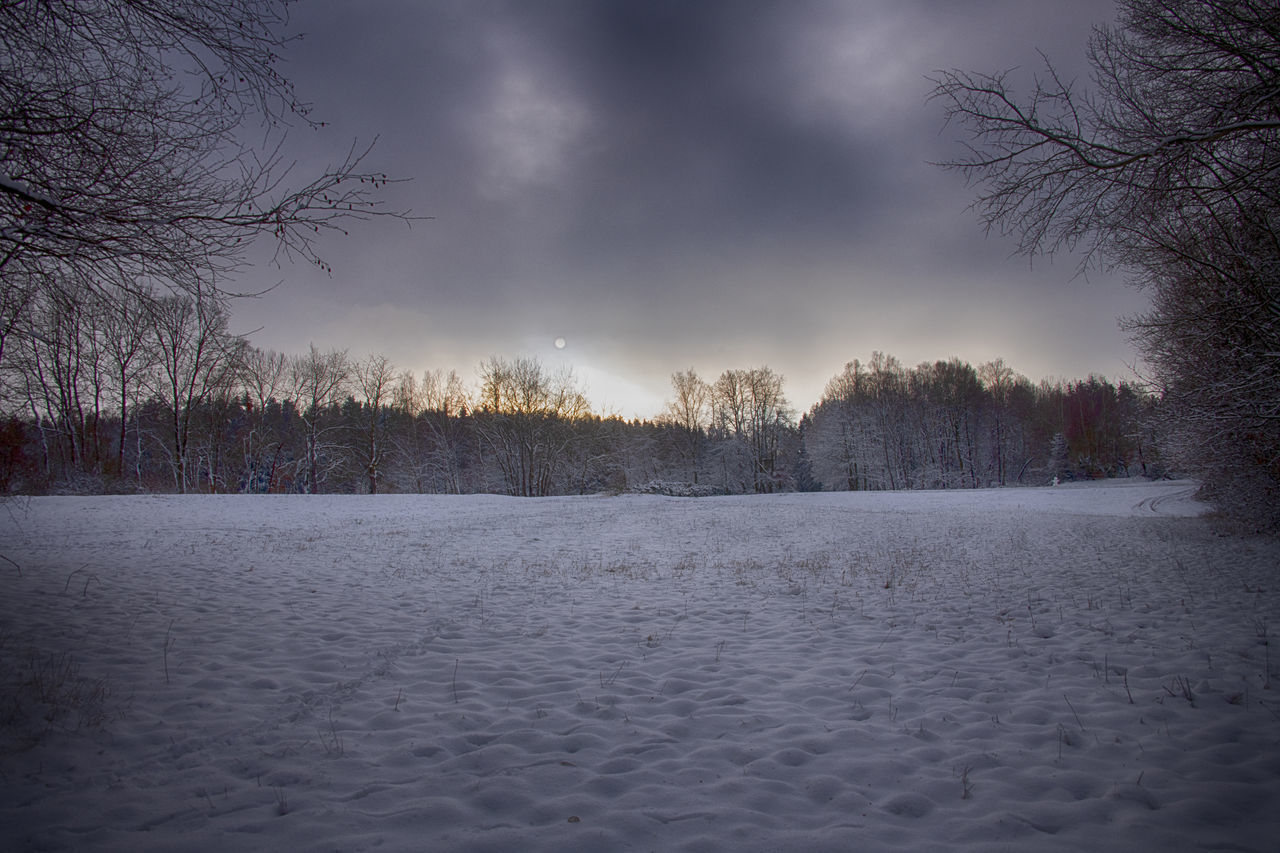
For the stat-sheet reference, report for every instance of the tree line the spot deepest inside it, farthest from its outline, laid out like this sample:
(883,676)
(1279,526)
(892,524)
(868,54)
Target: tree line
(947,424)
(152,392)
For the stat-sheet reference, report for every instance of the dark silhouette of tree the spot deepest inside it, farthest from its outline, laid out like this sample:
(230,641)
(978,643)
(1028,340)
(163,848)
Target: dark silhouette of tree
(1169,168)
(525,418)
(125,150)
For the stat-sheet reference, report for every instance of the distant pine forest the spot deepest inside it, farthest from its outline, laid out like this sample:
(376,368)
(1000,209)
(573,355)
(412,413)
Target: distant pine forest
(157,396)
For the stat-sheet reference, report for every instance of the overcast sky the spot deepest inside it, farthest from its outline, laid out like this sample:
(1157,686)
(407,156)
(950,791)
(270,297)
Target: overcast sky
(681,183)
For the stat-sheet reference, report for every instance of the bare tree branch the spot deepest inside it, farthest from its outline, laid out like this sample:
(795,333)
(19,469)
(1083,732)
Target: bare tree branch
(1169,167)
(122,152)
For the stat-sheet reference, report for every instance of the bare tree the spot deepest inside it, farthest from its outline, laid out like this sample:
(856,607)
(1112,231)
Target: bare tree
(318,380)
(126,151)
(1181,123)
(130,348)
(16,297)
(264,377)
(770,419)
(751,414)
(689,412)
(54,362)
(1167,168)
(861,431)
(999,381)
(264,374)
(886,383)
(526,418)
(375,377)
(440,448)
(839,432)
(196,362)
(729,417)
(443,392)
(946,395)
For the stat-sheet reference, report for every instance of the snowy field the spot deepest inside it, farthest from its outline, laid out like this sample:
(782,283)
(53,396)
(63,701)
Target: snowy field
(1072,668)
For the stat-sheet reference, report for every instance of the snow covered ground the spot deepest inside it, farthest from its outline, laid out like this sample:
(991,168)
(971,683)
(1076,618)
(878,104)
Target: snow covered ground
(1082,667)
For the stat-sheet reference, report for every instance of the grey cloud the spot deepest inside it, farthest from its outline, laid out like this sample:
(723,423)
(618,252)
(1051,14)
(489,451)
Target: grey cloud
(674,179)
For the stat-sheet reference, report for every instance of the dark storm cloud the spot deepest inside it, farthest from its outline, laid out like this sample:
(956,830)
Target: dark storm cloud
(720,183)
(694,139)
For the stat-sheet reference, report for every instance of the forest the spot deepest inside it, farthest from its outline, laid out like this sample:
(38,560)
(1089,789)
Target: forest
(153,394)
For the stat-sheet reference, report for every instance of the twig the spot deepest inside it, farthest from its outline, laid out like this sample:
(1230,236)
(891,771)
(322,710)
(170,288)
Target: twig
(332,743)
(606,682)
(74,572)
(1073,712)
(168,644)
(1181,687)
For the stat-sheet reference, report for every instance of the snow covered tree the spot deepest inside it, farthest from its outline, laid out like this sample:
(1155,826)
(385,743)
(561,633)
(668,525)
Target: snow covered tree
(839,433)
(887,390)
(946,399)
(1013,423)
